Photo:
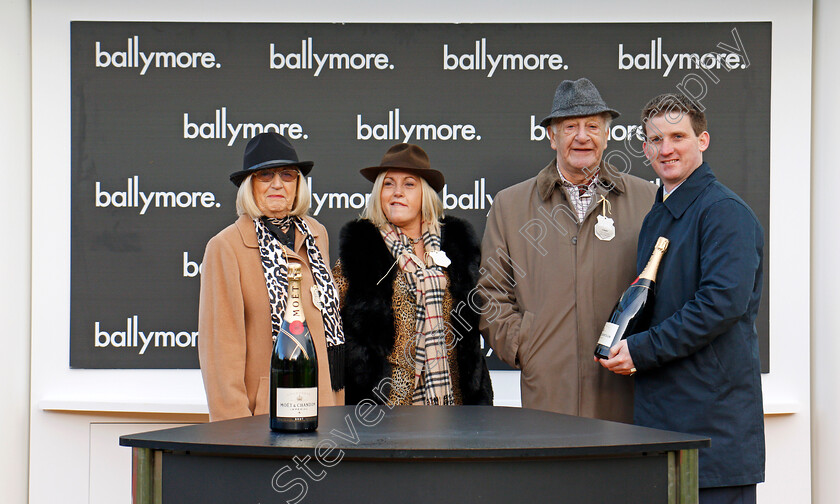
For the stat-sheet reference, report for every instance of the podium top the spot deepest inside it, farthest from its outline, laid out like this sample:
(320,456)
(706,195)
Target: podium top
(422,432)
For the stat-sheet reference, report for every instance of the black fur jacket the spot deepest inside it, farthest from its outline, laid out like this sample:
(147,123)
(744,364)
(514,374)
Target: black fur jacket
(368,315)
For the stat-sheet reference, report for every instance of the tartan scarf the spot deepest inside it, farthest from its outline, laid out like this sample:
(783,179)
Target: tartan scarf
(432,379)
(324,294)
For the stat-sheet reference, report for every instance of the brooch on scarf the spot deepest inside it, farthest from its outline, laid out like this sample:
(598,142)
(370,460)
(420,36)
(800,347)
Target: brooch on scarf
(316,298)
(439,258)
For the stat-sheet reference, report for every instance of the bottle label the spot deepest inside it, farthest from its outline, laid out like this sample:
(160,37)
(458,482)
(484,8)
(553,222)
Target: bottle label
(297,402)
(608,334)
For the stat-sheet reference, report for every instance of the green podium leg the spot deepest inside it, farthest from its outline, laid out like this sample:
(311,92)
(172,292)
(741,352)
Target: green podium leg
(683,484)
(145,476)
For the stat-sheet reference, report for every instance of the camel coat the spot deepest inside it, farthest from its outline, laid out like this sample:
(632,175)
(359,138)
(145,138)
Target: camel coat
(234,322)
(550,284)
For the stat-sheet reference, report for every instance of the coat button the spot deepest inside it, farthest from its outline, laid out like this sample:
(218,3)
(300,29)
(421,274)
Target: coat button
(574,240)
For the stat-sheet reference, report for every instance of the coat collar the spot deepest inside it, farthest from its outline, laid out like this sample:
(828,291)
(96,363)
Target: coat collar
(609,179)
(684,195)
(245,226)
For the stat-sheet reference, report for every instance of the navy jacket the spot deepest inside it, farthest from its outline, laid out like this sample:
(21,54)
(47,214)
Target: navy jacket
(698,365)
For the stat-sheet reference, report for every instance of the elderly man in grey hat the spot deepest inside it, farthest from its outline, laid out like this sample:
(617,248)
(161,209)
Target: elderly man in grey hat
(558,251)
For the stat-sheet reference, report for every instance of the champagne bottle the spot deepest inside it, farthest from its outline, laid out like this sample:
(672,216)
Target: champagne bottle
(630,309)
(294,367)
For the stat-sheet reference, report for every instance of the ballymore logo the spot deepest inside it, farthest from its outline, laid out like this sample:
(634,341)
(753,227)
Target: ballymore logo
(655,58)
(395,129)
(484,61)
(308,59)
(142,201)
(141,341)
(218,128)
(133,57)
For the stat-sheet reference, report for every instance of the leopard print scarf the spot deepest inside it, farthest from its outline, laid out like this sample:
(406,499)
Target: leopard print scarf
(324,293)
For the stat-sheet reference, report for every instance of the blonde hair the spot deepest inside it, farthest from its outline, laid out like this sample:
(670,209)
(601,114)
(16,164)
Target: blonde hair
(247,205)
(431,207)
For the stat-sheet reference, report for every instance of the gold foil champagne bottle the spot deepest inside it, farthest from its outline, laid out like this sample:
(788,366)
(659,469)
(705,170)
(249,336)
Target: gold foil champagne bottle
(633,305)
(294,367)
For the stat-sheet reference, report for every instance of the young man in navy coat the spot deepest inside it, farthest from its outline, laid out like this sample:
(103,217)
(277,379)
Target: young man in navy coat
(696,367)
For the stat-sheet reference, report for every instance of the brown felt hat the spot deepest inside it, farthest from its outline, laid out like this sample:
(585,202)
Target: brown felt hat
(408,157)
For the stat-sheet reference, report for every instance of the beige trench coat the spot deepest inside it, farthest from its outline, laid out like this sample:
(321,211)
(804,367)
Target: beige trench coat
(546,308)
(234,322)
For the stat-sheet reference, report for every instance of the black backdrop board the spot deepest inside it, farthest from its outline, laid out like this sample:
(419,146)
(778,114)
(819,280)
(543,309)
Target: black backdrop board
(162,112)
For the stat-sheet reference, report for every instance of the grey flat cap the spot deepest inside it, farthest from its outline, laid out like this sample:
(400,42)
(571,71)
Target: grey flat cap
(577,99)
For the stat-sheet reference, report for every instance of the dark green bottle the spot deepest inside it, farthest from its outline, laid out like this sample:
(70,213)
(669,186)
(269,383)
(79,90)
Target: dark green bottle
(294,367)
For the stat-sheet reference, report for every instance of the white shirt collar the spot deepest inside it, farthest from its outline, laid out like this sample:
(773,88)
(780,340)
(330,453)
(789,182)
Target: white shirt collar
(666,192)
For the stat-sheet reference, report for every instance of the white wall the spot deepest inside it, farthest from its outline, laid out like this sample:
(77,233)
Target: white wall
(60,454)
(825,250)
(15,200)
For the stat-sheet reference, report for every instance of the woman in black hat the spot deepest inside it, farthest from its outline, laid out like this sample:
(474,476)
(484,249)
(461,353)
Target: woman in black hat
(405,274)
(244,283)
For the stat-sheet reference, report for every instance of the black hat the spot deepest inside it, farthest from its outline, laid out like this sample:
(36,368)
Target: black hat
(268,150)
(408,157)
(577,98)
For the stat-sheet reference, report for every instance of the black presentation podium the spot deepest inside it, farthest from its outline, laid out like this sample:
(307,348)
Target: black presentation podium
(406,454)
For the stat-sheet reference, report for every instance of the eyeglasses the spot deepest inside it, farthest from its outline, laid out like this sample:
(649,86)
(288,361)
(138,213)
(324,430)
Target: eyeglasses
(267,175)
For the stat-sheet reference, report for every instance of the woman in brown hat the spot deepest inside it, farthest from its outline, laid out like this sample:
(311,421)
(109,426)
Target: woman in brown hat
(244,284)
(405,274)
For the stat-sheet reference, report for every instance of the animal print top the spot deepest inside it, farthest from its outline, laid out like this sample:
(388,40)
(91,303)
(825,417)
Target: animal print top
(401,358)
